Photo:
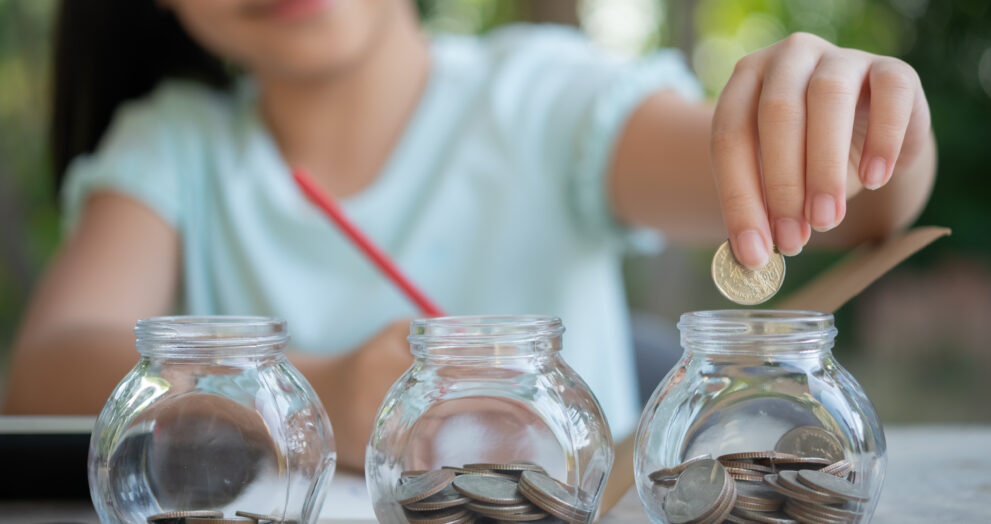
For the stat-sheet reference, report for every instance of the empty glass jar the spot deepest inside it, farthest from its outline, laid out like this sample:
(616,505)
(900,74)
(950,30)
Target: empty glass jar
(485,392)
(212,418)
(759,420)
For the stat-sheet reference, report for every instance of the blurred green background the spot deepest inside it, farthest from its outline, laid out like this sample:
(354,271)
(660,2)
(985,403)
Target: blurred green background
(918,340)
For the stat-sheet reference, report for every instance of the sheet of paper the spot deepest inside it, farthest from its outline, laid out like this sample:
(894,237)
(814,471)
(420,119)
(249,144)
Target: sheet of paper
(347,501)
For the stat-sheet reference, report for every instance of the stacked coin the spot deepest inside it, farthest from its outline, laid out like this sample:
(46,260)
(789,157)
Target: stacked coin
(513,492)
(807,483)
(704,493)
(214,517)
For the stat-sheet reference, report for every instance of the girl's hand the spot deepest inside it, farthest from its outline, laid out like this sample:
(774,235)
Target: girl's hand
(802,126)
(352,387)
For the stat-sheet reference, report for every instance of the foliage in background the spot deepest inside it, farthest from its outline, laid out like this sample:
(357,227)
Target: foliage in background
(28,219)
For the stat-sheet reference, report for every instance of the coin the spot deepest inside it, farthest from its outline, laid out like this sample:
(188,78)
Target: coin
(553,497)
(832,485)
(466,471)
(805,514)
(769,518)
(441,516)
(512,468)
(787,484)
(742,285)
(219,520)
(260,517)
(730,465)
(840,468)
(798,462)
(754,455)
(833,512)
(422,486)
(493,490)
(665,473)
(177,515)
(699,492)
(445,498)
(811,441)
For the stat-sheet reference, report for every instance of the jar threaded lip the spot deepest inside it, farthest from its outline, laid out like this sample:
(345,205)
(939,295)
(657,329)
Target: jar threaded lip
(485,335)
(211,336)
(757,331)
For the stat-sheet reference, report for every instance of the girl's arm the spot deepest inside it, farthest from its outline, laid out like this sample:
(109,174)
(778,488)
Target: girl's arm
(76,340)
(785,137)
(122,263)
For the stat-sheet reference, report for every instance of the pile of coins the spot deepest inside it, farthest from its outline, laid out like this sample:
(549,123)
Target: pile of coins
(214,517)
(805,479)
(514,492)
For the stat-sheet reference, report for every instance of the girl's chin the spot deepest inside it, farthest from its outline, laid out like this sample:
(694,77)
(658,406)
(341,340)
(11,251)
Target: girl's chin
(295,10)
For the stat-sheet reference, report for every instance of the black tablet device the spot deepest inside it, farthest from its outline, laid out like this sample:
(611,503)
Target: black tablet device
(44,457)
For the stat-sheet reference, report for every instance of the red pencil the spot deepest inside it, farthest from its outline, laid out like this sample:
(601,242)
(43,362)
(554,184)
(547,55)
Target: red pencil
(377,256)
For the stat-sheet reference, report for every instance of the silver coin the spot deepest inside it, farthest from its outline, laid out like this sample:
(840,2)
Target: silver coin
(494,490)
(665,473)
(832,485)
(548,494)
(811,441)
(216,520)
(840,469)
(769,517)
(422,486)
(441,516)
(445,498)
(786,482)
(699,491)
(176,515)
(513,468)
(260,517)
(834,512)
(742,285)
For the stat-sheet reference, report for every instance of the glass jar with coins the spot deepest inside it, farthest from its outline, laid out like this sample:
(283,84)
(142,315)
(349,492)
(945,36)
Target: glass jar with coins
(489,422)
(213,425)
(759,423)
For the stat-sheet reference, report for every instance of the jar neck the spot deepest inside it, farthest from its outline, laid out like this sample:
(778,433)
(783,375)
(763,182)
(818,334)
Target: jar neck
(783,334)
(485,340)
(211,337)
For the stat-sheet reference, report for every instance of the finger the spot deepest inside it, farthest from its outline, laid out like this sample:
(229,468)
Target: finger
(894,87)
(781,117)
(736,167)
(831,99)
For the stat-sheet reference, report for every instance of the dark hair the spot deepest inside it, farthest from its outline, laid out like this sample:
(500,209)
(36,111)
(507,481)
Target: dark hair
(110,51)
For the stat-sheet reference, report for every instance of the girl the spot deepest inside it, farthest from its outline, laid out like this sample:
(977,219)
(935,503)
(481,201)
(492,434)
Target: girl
(506,174)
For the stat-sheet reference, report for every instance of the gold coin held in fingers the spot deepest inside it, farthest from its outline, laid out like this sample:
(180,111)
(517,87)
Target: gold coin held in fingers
(743,286)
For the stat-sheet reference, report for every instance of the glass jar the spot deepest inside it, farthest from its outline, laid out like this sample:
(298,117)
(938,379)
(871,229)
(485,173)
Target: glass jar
(212,418)
(489,390)
(759,405)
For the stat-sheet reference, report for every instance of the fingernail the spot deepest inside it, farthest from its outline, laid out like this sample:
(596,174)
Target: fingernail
(823,212)
(874,175)
(788,234)
(752,251)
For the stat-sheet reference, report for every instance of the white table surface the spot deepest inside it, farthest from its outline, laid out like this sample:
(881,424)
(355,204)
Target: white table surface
(935,474)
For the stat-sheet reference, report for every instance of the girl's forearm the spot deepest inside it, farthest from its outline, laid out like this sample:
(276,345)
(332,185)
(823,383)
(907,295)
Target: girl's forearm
(71,372)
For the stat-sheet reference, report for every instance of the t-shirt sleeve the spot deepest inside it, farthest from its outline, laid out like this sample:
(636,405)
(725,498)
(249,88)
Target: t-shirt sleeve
(577,100)
(139,156)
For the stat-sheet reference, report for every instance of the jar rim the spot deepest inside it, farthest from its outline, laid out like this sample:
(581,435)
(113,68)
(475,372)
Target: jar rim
(529,334)
(757,331)
(211,336)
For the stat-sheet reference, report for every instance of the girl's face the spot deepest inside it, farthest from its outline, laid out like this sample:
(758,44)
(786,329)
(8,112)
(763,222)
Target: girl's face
(286,38)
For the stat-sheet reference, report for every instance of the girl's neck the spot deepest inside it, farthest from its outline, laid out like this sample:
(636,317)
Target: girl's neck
(342,126)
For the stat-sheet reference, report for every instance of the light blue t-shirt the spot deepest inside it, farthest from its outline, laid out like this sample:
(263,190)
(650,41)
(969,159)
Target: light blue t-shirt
(493,201)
